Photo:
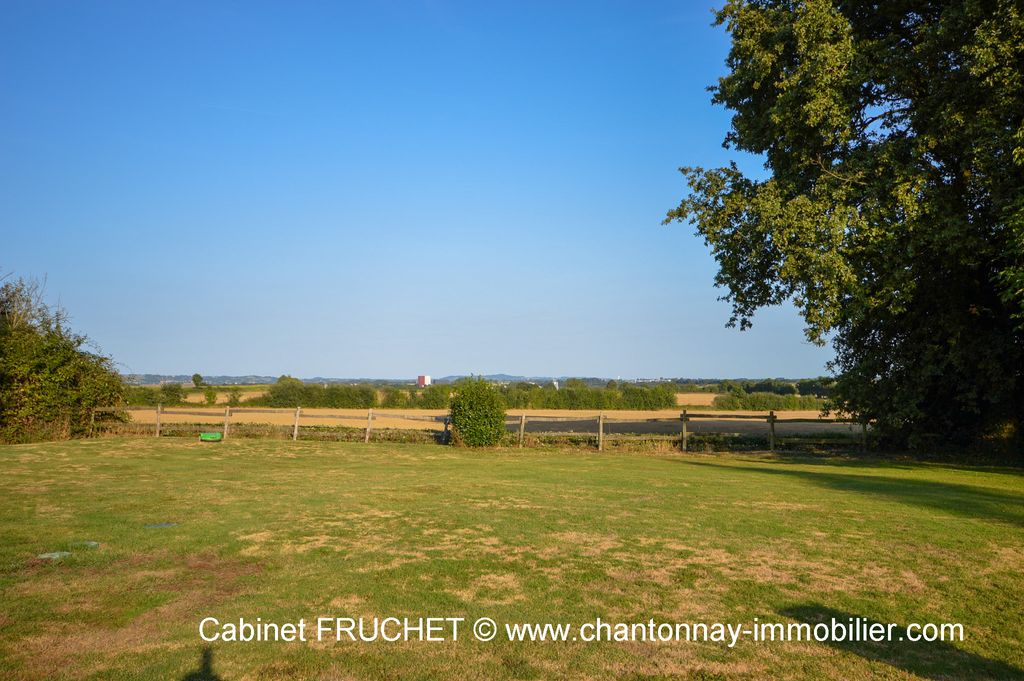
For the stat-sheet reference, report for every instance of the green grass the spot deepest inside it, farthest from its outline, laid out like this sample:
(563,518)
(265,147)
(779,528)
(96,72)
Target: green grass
(283,530)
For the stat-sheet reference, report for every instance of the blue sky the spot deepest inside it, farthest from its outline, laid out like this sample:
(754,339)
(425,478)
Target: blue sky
(374,189)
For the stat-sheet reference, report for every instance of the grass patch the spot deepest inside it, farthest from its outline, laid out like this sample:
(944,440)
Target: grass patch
(282,530)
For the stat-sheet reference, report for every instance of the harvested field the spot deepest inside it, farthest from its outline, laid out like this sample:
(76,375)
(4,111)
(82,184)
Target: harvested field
(392,418)
(695,399)
(222,396)
(286,417)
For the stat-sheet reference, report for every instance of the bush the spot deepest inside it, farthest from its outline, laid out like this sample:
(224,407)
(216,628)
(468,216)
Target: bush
(818,387)
(49,380)
(210,395)
(477,413)
(437,396)
(168,394)
(142,396)
(394,398)
(172,393)
(766,401)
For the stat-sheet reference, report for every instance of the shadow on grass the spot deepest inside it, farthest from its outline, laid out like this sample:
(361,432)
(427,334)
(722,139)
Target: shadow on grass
(896,461)
(963,500)
(932,660)
(205,671)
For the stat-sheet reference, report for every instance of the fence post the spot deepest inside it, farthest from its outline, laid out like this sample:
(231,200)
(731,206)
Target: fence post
(771,430)
(159,408)
(686,437)
(295,428)
(369,425)
(600,432)
(522,428)
(227,417)
(92,422)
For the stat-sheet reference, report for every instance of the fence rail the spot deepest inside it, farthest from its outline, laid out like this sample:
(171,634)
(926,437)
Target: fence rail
(601,436)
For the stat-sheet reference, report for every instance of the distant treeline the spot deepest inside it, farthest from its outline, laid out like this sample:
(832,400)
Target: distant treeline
(288,392)
(291,392)
(763,401)
(578,395)
(816,387)
(146,396)
(773,394)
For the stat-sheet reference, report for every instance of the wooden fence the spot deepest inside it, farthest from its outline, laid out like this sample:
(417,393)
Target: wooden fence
(601,437)
(229,411)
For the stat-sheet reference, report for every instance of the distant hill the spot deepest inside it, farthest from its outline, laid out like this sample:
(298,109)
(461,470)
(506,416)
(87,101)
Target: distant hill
(186,379)
(155,379)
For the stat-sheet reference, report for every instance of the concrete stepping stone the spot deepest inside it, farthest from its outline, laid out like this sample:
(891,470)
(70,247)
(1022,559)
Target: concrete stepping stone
(54,555)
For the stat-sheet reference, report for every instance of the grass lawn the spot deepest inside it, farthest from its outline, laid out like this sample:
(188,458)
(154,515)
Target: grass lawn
(283,530)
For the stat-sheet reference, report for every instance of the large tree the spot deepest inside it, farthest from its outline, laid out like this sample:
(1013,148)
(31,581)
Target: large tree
(892,209)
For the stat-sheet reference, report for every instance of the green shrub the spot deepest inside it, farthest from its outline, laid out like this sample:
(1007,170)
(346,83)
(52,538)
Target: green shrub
(477,413)
(394,398)
(142,396)
(766,401)
(437,396)
(172,393)
(49,380)
(210,395)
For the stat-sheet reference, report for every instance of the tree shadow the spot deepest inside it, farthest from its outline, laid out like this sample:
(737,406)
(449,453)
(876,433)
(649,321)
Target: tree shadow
(963,500)
(931,660)
(885,461)
(205,671)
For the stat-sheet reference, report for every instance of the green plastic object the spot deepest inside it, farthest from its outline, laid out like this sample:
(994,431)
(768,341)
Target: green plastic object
(210,437)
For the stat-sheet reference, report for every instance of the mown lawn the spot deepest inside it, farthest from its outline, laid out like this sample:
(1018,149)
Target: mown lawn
(283,530)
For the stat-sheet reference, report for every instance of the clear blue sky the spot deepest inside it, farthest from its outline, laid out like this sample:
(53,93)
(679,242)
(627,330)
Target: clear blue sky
(374,189)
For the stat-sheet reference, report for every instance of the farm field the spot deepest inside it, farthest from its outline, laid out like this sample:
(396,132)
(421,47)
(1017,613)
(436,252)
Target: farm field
(289,530)
(391,418)
(194,396)
(197,396)
(695,399)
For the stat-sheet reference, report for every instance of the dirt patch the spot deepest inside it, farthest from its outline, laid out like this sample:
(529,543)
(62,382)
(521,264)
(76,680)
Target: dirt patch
(310,543)
(492,589)
(466,541)
(348,603)
(1005,559)
(588,544)
(257,541)
(259,537)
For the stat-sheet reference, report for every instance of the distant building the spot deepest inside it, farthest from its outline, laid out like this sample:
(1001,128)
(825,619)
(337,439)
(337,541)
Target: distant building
(423,381)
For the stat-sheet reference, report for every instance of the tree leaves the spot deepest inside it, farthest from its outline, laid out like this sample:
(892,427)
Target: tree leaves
(893,215)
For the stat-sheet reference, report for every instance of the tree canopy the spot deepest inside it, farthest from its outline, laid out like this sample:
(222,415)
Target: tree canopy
(892,209)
